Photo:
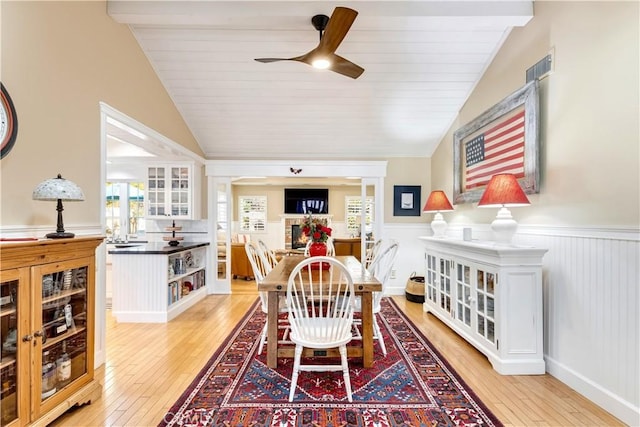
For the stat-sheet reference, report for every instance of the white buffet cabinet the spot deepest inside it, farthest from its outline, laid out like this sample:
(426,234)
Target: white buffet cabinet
(147,285)
(491,295)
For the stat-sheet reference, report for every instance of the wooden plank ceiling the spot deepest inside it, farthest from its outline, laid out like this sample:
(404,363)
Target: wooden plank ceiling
(422,59)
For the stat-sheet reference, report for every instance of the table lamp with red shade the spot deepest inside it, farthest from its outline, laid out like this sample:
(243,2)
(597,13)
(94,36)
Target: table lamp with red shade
(438,202)
(503,191)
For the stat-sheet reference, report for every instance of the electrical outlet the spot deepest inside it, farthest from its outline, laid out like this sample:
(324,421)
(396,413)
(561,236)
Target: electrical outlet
(393,274)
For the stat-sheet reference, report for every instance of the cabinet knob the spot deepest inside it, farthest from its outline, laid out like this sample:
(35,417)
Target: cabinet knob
(27,338)
(38,334)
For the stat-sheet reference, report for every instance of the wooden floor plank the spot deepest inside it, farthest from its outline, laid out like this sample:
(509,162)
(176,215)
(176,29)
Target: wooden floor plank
(148,368)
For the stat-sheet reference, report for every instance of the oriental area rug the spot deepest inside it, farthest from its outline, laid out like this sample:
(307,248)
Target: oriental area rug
(412,386)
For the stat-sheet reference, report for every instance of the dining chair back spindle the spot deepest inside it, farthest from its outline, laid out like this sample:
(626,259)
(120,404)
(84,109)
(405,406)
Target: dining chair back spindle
(320,304)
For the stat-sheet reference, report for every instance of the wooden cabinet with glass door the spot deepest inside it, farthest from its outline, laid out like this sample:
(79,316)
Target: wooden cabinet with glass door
(47,328)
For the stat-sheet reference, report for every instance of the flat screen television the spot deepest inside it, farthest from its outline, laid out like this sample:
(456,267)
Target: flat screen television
(306,200)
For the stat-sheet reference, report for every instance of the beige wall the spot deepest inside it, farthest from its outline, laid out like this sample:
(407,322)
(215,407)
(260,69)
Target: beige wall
(275,199)
(589,114)
(400,171)
(407,171)
(59,60)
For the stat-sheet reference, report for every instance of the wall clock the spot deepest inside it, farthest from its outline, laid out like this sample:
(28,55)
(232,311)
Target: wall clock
(8,122)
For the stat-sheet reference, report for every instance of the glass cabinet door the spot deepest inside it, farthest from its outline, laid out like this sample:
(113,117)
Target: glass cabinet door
(62,293)
(180,191)
(445,284)
(463,293)
(431,279)
(485,292)
(12,285)
(156,191)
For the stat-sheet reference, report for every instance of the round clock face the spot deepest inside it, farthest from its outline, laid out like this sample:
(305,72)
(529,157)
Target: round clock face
(8,122)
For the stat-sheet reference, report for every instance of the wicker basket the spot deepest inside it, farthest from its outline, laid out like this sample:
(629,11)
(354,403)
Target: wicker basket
(415,288)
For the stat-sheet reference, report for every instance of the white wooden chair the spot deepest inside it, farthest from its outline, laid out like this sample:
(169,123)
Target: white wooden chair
(372,252)
(380,268)
(320,304)
(331,250)
(268,254)
(261,267)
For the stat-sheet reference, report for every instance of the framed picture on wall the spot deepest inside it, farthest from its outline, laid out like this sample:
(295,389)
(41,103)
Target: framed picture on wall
(406,200)
(503,139)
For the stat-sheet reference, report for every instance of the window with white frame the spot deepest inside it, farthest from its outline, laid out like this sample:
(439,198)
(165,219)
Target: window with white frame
(253,213)
(124,210)
(354,211)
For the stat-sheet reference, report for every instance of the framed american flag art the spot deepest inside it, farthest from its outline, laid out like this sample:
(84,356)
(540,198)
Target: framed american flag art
(503,139)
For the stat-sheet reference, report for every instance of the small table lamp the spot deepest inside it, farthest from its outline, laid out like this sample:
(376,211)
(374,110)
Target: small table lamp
(503,191)
(438,202)
(58,189)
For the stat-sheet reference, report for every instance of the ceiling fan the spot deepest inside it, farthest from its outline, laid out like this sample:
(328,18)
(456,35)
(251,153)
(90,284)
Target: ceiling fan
(332,32)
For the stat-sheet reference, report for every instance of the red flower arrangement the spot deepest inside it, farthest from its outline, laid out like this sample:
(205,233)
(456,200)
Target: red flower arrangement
(315,230)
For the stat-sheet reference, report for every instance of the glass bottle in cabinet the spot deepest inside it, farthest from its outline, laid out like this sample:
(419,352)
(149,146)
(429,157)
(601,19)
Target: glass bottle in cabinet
(49,375)
(63,365)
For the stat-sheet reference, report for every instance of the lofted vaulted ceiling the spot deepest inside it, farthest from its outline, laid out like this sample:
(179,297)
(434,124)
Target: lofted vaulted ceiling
(422,59)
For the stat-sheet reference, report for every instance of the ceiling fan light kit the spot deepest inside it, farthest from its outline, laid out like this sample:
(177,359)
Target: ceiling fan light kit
(332,31)
(321,63)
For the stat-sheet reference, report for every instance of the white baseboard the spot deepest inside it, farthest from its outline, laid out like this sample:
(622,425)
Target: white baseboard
(626,411)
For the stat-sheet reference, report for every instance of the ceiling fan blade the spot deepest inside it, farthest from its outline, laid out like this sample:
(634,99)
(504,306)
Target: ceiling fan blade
(341,20)
(267,60)
(345,67)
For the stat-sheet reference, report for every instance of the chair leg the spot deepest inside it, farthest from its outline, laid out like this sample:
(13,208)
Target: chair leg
(377,334)
(345,371)
(263,338)
(296,371)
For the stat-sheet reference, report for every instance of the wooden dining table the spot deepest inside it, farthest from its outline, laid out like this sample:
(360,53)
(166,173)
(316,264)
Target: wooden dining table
(275,284)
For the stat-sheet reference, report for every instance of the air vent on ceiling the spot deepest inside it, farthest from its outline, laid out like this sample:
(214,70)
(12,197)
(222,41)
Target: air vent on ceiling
(541,69)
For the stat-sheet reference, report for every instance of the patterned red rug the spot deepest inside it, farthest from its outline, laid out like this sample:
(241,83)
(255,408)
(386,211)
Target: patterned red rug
(412,386)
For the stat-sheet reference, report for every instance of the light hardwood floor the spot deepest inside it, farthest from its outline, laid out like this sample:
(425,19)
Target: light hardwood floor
(149,365)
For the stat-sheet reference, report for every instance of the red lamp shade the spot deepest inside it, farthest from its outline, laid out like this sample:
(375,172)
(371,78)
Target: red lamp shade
(437,202)
(503,190)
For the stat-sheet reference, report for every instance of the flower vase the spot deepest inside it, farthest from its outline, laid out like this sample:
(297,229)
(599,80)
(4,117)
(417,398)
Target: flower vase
(318,249)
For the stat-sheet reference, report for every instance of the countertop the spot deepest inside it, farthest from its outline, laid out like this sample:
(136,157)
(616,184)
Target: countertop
(154,248)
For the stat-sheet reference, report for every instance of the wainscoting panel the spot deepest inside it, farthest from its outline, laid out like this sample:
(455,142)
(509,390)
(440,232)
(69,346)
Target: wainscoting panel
(591,312)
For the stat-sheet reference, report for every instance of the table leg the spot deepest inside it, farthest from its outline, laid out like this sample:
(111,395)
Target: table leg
(367,329)
(272,329)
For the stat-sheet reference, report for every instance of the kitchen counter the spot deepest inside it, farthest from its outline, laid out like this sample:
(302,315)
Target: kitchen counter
(154,282)
(153,248)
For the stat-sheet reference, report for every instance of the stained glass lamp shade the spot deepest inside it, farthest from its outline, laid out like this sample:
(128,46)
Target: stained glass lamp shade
(58,189)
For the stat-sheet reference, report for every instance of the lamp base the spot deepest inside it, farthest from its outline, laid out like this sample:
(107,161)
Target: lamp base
(438,225)
(504,227)
(60,235)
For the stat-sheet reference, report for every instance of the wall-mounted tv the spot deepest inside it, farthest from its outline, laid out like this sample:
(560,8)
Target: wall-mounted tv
(306,200)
